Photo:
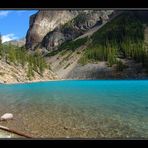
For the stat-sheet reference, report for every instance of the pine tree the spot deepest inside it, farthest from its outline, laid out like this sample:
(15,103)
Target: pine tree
(12,54)
(1,48)
(30,72)
(22,56)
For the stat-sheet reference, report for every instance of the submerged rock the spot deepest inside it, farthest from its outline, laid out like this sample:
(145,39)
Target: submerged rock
(6,116)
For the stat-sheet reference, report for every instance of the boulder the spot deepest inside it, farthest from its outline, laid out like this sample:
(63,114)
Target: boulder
(6,116)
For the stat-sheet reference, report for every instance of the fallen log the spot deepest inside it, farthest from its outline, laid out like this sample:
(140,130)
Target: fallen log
(14,131)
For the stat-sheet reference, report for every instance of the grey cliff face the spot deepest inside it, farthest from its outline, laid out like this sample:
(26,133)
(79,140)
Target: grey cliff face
(43,22)
(49,29)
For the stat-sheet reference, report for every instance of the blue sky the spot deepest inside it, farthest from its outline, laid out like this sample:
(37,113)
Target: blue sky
(14,23)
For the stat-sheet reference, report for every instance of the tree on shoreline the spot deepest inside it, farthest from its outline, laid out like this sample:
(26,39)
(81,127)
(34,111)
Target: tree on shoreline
(19,56)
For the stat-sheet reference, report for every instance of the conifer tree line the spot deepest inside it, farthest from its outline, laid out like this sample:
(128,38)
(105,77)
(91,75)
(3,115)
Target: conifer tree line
(122,36)
(20,57)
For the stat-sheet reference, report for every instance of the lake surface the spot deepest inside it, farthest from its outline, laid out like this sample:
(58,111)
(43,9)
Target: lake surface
(86,109)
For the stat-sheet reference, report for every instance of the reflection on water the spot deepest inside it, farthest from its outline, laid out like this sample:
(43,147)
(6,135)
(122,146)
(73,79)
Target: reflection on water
(93,109)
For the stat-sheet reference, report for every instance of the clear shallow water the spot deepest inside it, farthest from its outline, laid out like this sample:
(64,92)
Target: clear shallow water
(94,109)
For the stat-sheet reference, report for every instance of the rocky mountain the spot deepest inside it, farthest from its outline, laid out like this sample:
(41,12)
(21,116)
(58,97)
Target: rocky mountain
(19,43)
(49,29)
(43,22)
(86,44)
(65,36)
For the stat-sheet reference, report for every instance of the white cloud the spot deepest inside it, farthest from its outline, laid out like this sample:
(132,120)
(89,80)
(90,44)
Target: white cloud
(4,13)
(8,37)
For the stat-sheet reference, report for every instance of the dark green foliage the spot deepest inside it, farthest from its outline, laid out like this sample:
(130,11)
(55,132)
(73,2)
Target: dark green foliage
(1,50)
(52,53)
(100,53)
(12,54)
(68,45)
(19,56)
(111,57)
(78,52)
(124,34)
(72,45)
(96,53)
(30,72)
(41,64)
(125,26)
(134,50)
(37,63)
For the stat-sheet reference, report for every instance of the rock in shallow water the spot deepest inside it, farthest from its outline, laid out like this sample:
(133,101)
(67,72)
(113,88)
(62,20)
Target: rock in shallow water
(6,116)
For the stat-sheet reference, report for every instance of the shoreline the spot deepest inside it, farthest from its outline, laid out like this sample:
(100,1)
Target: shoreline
(37,81)
(34,81)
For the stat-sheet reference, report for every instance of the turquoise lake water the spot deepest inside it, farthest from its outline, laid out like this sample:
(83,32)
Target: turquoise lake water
(78,108)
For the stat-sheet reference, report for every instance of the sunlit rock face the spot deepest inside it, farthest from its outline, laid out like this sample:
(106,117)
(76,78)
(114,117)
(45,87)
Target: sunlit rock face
(51,28)
(45,21)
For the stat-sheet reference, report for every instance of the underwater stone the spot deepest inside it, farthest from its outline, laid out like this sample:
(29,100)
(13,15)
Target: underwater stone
(6,116)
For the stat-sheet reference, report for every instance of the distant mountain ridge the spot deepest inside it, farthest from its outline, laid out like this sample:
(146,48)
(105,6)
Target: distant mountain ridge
(19,42)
